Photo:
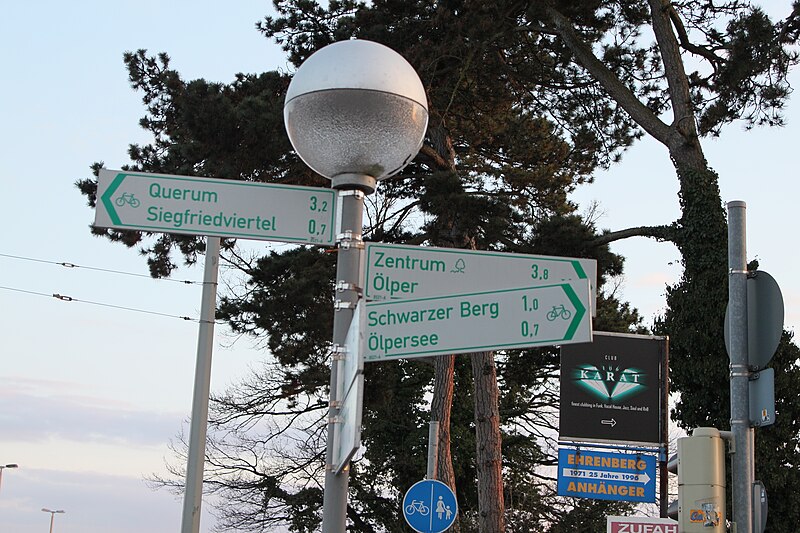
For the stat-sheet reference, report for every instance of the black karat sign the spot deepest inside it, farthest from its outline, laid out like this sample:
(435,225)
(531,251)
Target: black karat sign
(611,389)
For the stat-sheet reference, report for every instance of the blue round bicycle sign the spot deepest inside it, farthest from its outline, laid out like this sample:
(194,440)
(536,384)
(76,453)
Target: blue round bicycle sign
(429,506)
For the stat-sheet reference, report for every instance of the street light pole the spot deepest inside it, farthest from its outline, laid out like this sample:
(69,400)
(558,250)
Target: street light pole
(348,286)
(3,467)
(52,515)
(356,113)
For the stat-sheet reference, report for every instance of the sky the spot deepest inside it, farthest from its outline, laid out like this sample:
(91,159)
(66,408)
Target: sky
(93,391)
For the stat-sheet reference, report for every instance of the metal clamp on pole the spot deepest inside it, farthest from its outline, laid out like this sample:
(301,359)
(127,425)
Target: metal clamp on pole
(338,352)
(739,371)
(342,286)
(348,240)
(338,305)
(356,193)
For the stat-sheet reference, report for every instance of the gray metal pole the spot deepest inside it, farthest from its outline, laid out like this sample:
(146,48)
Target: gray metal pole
(193,498)
(663,473)
(742,459)
(349,282)
(433,448)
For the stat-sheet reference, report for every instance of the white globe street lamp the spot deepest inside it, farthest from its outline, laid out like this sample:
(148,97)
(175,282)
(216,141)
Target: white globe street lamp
(356,113)
(52,515)
(356,108)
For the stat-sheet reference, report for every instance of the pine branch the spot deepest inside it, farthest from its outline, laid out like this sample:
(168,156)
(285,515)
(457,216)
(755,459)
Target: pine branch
(683,37)
(639,112)
(674,71)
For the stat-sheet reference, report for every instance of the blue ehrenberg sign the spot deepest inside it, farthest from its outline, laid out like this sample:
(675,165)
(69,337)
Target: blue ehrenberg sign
(607,476)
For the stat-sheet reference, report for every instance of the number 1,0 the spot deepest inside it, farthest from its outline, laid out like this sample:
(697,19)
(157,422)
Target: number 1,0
(529,304)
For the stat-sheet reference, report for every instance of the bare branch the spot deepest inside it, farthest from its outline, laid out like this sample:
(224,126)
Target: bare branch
(660,233)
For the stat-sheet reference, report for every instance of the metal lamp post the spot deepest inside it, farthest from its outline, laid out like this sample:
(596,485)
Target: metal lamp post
(356,113)
(52,515)
(3,467)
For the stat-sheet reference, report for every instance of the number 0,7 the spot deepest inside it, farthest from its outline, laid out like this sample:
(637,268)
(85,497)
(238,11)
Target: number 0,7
(312,227)
(525,329)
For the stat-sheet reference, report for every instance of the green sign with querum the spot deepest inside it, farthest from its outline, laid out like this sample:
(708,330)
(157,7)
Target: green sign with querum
(493,320)
(216,207)
(398,271)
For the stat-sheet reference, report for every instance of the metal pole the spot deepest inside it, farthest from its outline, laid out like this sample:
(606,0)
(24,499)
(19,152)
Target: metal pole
(193,498)
(52,515)
(433,448)
(742,459)
(348,286)
(663,490)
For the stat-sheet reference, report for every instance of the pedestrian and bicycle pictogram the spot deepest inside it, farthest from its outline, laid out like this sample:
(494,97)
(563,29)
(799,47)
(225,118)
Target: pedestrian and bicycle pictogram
(430,506)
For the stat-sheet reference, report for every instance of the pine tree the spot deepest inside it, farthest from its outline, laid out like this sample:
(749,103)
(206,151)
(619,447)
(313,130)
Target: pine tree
(526,100)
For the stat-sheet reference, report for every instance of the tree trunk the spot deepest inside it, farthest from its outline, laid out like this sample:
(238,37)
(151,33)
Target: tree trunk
(440,411)
(491,507)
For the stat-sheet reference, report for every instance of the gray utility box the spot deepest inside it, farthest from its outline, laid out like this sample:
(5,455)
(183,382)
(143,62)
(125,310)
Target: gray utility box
(701,482)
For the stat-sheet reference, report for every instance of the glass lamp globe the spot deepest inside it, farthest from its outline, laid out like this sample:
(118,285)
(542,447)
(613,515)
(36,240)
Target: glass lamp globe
(356,108)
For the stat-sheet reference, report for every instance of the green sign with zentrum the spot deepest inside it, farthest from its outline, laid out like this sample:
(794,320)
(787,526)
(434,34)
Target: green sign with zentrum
(216,207)
(494,320)
(397,272)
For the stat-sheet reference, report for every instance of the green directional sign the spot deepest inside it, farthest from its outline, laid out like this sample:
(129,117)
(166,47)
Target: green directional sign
(494,320)
(396,271)
(222,208)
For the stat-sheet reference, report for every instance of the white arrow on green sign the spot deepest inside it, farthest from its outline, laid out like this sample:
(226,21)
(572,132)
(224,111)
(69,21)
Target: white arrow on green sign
(503,319)
(221,208)
(395,271)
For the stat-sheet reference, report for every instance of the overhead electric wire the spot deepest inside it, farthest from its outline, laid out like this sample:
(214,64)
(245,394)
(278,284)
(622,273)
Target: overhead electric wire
(65,298)
(107,270)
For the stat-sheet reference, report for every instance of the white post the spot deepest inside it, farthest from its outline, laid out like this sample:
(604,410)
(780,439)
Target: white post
(193,498)
(433,448)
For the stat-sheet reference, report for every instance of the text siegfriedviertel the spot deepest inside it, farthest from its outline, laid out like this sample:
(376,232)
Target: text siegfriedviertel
(199,217)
